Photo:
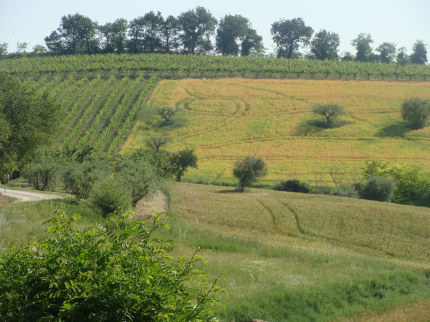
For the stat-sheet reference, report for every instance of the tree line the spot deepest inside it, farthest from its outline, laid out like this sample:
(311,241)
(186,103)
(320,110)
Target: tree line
(197,31)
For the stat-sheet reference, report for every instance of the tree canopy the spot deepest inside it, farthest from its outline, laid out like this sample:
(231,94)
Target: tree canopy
(289,35)
(249,170)
(362,44)
(28,120)
(235,35)
(325,45)
(419,55)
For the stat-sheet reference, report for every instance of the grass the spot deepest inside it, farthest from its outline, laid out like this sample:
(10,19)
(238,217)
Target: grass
(318,258)
(227,119)
(283,256)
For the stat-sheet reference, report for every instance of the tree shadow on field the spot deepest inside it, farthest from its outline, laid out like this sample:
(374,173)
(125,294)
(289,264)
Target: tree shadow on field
(399,129)
(232,190)
(314,126)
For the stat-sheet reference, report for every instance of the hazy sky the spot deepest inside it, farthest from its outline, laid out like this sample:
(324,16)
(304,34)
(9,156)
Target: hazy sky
(399,21)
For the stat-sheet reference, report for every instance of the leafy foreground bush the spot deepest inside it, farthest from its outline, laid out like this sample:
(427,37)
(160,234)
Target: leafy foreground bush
(102,274)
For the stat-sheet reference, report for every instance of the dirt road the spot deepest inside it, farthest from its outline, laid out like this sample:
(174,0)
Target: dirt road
(27,195)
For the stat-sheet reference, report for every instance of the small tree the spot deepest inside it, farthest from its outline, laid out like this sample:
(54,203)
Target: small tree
(167,114)
(249,170)
(330,111)
(416,111)
(181,161)
(154,143)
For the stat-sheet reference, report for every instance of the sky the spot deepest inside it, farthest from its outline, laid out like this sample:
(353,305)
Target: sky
(396,21)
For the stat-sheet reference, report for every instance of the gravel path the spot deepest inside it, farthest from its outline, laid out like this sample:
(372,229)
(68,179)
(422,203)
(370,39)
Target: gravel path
(27,195)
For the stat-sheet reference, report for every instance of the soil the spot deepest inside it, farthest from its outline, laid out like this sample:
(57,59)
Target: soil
(146,207)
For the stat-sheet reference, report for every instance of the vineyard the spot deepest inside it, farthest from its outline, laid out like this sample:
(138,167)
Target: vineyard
(172,66)
(97,111)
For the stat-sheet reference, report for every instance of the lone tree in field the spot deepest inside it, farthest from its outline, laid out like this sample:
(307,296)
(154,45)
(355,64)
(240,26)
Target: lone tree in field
(167,114)
(330,111)
(416,111)
(249,170)
(154,143)
(181,161)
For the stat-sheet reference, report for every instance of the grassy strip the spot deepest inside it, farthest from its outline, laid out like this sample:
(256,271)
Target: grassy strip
(329,301)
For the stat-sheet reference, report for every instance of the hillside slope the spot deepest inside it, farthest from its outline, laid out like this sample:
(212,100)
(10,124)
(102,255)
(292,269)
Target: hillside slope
(226,119)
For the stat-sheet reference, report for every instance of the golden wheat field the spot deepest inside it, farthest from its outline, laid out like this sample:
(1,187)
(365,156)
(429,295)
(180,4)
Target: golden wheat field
(227,119)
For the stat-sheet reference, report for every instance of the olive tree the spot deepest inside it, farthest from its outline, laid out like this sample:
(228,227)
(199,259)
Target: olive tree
(330,111)
(181,161)
(249,170)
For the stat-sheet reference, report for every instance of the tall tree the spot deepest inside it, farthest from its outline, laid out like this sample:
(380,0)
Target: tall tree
(387,52)
(27,121)
(289,35)
(362,44)
(196,27)
(21,47)
(252,43)
(77,34)
(152,33)
(115,36)
(419,53)
(325,45)
(235,35)
(136,32)
(170,41)
(402,58)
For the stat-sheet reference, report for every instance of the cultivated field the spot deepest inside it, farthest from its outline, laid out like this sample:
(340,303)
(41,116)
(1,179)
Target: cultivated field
(291,256)
(227,119)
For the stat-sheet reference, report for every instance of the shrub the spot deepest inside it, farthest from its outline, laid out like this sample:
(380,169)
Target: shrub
(348,192)
(114,273)
(379,188)
(110,196)
(293,186)
(416,111)
(249,170)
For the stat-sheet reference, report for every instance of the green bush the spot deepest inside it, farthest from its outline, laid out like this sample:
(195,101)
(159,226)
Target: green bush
(293,186)
(348,192)
(115,273)
(379,189)
(42,173)
(110,196)
(416,111)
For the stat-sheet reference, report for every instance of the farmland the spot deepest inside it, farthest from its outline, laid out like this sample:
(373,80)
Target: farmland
(226,119)
(283,256)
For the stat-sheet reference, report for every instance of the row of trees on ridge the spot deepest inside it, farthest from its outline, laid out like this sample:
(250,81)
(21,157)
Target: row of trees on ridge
(192,32)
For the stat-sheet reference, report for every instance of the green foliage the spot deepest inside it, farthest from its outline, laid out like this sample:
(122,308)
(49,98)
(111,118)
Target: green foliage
(348,192)
(28,121)
(181,161)
(111,196)
(137,175)
(249,170)
(412,185)
(115,273)
(43,172)
(379,189)
(419,55)
(374,168)
(330,111)
(79,177)
(416,111)
(293,186)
